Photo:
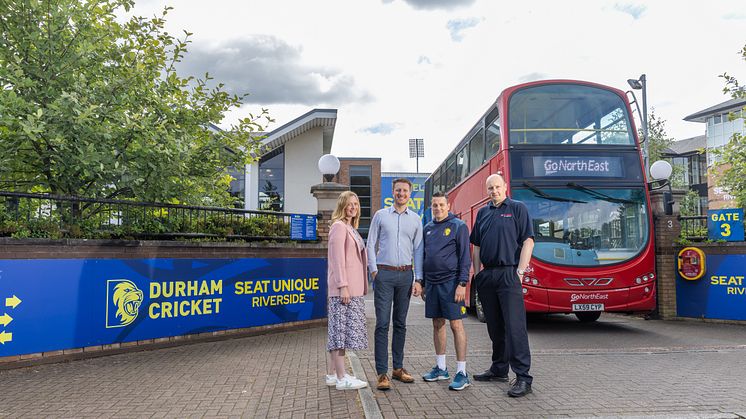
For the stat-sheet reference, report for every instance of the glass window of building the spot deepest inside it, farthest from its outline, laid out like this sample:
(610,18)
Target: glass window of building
(272,181)
(360,183)
(238,184)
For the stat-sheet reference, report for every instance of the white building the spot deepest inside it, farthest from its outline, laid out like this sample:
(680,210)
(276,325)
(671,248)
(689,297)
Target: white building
(720,128)
(282,176)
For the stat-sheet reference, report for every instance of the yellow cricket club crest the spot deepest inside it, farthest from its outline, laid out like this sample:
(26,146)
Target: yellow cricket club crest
(447,231)
(463,310)
(123,300)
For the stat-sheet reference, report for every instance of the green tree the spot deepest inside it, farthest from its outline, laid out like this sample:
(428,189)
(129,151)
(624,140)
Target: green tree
(689,203)
(91,106)
(658,142)
(733,155)
(658,139)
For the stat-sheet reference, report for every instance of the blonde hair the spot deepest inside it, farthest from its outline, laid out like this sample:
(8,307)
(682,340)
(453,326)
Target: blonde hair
(339,212)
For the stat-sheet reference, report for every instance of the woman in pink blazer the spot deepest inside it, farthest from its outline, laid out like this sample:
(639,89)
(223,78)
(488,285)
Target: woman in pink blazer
(347,284)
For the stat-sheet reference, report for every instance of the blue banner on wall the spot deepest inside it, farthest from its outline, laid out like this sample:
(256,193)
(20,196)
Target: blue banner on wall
(719,294)
(725,224)
(73,303)
(416,198)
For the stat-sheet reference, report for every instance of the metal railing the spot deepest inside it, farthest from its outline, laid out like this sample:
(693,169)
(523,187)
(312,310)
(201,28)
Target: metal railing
(51,216)
(694,228)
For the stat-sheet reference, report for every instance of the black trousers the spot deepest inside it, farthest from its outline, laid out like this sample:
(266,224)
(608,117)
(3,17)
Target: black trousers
(501,294)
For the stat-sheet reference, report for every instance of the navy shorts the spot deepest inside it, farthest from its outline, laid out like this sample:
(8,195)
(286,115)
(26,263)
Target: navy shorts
(440,303)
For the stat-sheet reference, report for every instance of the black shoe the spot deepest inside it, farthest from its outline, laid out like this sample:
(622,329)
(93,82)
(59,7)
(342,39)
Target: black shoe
(490,376)
(520,388)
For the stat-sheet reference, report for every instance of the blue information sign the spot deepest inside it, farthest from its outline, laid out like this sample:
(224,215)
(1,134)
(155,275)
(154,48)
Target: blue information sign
(302,227)
(73,303)
(725,224)
(719,294)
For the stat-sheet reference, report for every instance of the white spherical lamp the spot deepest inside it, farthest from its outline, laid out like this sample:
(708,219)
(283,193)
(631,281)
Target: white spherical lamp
(661,170)
(328,166)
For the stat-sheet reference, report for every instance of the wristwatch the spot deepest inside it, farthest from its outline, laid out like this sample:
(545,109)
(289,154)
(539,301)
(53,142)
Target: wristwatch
(462,284)
(520,271)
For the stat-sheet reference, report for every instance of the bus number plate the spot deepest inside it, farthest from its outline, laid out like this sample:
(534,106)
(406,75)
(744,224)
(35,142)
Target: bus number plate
(587,307)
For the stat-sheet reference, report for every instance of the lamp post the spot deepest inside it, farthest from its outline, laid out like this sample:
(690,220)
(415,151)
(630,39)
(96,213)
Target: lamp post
(641,84)
(661,171)
(326,194)
(328,166)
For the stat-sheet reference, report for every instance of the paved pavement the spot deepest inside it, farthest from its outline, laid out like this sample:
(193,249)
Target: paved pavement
(618,367)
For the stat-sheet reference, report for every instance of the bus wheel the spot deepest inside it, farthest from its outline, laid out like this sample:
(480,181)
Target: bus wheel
(478,309)
(588,316)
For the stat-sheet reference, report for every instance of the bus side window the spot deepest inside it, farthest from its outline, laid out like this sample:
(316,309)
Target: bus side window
(493,137)
(476,151)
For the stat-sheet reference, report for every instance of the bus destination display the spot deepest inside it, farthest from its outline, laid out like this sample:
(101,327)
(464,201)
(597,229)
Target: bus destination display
(576,166)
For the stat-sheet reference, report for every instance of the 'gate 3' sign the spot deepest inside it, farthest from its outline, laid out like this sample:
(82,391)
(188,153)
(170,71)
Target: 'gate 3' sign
(725,224)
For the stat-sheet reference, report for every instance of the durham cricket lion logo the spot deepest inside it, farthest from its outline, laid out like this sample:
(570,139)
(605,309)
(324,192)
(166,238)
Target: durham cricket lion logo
(126,298)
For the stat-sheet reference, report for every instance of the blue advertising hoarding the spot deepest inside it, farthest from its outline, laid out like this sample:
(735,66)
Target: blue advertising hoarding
(416,199)
(719,294)
(53,304)
(725,224)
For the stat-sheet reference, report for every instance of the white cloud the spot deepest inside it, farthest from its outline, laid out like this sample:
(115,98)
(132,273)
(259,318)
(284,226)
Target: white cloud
(379,62)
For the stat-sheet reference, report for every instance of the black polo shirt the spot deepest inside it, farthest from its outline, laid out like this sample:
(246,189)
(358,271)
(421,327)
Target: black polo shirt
(500,231)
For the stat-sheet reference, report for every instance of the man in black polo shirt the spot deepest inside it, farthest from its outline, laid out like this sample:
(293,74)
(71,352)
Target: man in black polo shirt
(503,241)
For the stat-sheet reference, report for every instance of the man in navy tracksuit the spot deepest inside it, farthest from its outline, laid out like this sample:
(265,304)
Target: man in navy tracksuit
(446,272)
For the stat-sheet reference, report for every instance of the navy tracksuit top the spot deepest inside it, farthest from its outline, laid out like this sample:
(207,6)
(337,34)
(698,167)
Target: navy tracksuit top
(446,251)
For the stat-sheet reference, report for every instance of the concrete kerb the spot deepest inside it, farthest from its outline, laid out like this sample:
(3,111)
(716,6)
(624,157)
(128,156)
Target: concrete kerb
(370,406)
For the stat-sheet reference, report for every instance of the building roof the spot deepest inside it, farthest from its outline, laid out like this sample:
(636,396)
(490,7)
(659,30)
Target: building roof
(324,118)
(726,106)
(686,146)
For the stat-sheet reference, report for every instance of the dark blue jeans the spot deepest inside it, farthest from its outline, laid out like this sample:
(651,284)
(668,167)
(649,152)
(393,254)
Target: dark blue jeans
(391,288)
(501,294)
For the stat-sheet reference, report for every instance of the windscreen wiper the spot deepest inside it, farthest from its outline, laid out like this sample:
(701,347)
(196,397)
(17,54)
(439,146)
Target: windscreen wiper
(599,195)
(545,195)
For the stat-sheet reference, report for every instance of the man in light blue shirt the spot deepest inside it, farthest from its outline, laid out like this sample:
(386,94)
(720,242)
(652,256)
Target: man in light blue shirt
(394,246)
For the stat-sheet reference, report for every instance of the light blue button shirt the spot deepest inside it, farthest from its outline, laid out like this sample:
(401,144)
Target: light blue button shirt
(395,239)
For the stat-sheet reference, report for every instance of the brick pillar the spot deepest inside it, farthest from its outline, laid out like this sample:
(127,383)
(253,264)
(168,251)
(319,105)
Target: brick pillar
(326,195)
(667,230)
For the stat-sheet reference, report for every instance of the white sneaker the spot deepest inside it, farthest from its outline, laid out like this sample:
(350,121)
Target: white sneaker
(350,383)
(331,380)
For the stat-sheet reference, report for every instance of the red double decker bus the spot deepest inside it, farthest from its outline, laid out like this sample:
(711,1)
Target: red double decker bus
(569,150)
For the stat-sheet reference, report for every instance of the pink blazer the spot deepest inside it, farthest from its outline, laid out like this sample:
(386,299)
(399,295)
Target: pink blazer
(348,262)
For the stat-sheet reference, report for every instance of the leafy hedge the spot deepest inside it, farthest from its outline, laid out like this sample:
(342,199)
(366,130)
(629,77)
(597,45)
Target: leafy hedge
(151,223)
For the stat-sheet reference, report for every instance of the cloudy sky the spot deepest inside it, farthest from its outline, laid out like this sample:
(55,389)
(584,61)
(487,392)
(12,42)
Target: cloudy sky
(400,69)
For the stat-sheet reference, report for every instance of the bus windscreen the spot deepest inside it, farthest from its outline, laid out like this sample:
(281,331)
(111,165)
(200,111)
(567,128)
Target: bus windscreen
(568,114)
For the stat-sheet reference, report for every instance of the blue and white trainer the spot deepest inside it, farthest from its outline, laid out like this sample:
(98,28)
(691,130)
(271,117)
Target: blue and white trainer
(436,374)
(460,381)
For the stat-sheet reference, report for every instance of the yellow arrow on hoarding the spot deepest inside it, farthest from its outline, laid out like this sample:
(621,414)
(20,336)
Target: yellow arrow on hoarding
(5,337)
(5,319)
(12,301)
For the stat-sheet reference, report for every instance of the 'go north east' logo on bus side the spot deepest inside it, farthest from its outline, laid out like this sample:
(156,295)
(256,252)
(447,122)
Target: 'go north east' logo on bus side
(123,300)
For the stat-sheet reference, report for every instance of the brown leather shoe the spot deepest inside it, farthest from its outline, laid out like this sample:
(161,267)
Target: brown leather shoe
(383,382)
(402,375)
